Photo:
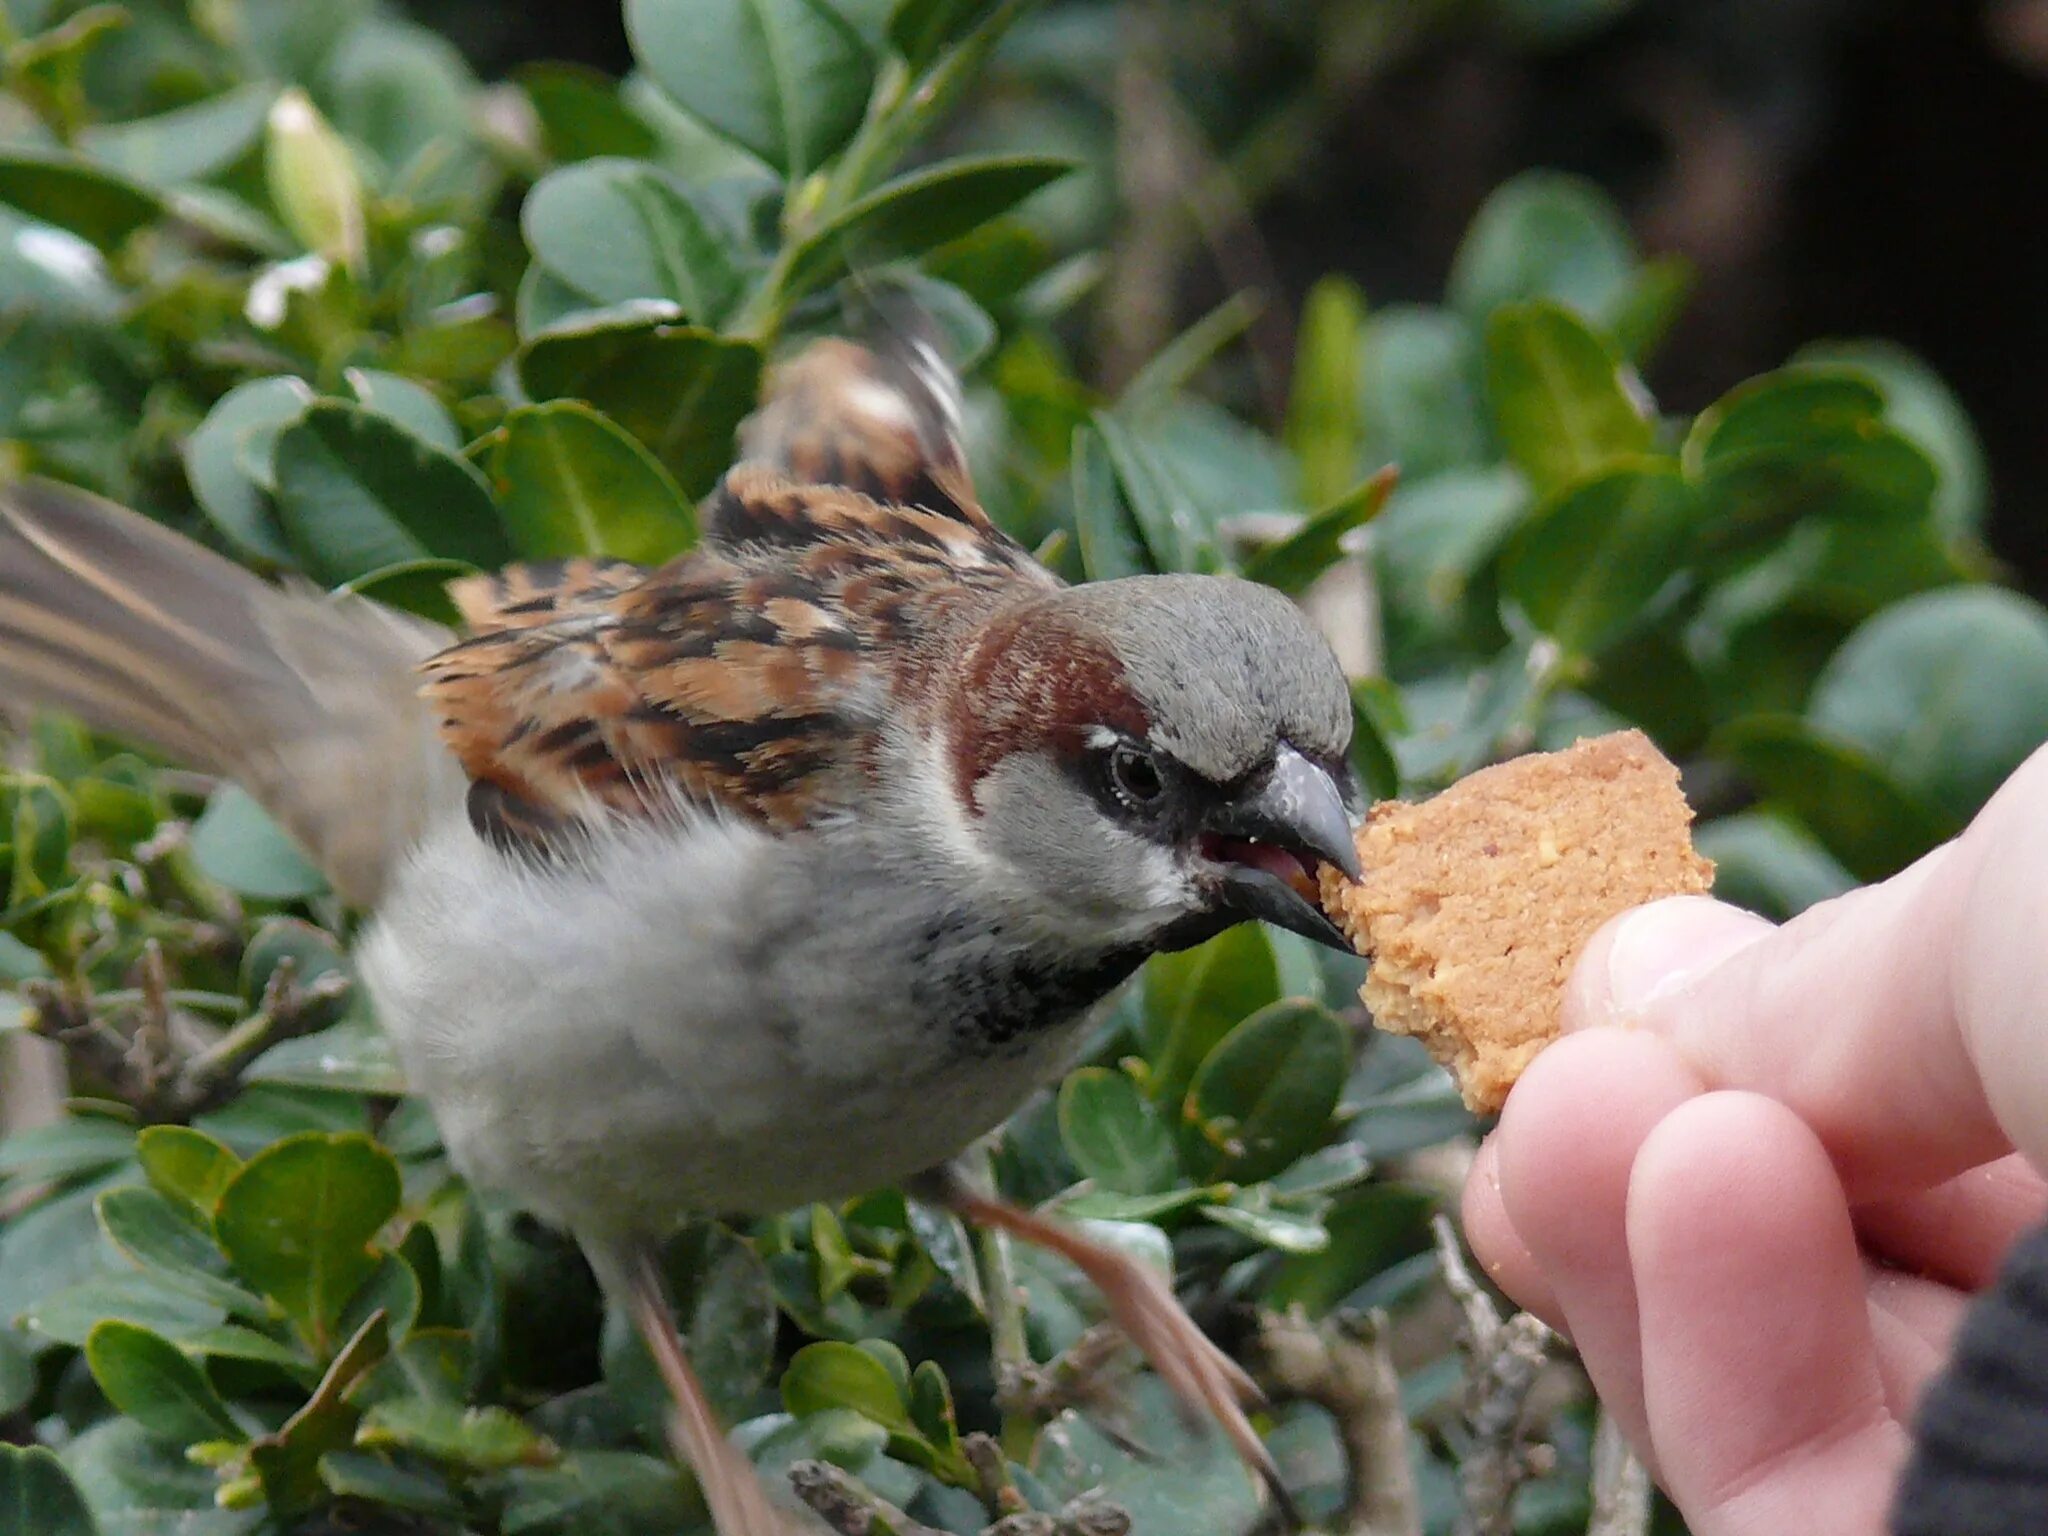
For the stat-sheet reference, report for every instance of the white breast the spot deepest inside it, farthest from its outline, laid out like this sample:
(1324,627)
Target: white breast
(698,1018)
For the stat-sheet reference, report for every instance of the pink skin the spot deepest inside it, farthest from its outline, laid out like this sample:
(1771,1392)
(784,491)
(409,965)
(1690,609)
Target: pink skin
(1761,1179)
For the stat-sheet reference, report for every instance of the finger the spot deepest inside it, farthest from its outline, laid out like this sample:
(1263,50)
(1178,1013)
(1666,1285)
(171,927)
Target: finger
(1760,1369)
(1567,1141)
(1913,1325)
(1497,1245)
(1844,1014)
(2001,967)
(1959,1231)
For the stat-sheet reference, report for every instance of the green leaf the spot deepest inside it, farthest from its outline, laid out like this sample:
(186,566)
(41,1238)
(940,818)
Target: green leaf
(230,461)
(1157,507)
(1177,363)
(407,94)
(1114,1134)
(1948,691)
(412,406)
(313,180)
(17,1371)
(65,1148)
(287,1461)
(620,230)
(1919,404)
(1108,1205)
(1264,1096)
(1297,560)
(569,482)
(89,200)
(384,1483)
(1108,538)
(830,1374)
(298,1220)
(233,1342)
(1418,392)
(417,586)
(1770,864)
(1434,541)
(170,1247)
(914,214)
(1587,565)
(726,1308)
(1805,443)
(598,1493)
(1323,429)
(788,79)
(188,143)
(1545,236)
(486,1439)
(1564,410)
(1372,1229)
(920,29)
(36,815)
(1271,1226)
(581,116)
(680,390)
(1858,811)
(68,1315)
(356,493)
(235,842)
(148,1378)
(1371,757)
(37,1496)
(1207,1493)
(1194,998)
(354,1055)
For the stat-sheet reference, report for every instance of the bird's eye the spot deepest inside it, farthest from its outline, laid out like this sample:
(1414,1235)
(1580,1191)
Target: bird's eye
(1135,776)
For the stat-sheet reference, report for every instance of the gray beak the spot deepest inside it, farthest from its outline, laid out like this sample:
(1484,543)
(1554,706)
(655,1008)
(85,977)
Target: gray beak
(1295,809)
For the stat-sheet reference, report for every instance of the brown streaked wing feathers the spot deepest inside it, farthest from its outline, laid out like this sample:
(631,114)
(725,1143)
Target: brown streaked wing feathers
(752,674)
(749,675)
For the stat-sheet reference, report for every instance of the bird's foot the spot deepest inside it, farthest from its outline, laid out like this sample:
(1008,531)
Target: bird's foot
(1208,1384)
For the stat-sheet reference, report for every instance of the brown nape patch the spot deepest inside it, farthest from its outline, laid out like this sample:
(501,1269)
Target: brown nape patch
(1476,904)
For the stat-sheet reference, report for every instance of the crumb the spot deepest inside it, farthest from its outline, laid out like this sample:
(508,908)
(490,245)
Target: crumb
(1476,903)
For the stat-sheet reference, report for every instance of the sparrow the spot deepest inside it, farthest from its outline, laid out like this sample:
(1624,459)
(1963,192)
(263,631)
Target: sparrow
(776,874)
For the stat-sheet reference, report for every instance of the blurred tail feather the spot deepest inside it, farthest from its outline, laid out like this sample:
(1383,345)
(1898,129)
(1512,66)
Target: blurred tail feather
(309,702)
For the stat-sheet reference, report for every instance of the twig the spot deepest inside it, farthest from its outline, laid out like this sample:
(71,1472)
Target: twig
(848,1506)
(1007,1340)
(1345,1366)
(1505,1360)
(1621,1484)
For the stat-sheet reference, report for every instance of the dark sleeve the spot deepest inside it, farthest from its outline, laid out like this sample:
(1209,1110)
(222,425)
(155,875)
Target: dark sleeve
(1980,1455)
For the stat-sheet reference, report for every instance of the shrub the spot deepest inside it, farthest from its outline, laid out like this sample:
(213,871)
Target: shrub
(261,277)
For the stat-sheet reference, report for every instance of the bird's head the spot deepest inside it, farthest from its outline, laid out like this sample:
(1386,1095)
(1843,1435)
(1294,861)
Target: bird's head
(1157,758)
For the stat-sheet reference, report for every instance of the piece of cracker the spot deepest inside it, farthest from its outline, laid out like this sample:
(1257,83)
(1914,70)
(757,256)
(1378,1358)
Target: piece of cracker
(1476,903)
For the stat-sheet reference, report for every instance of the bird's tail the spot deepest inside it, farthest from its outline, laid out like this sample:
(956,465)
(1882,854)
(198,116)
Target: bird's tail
(310,703)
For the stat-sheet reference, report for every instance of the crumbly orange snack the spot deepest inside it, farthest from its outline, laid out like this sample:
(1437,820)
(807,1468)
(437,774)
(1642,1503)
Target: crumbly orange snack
(1476,903)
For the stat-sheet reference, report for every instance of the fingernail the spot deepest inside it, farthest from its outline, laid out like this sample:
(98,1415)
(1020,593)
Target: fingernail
(1658,950)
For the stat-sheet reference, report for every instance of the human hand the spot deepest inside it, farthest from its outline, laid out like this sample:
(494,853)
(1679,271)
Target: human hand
(1759,1181)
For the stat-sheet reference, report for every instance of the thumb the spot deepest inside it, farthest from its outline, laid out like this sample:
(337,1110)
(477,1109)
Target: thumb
(1902,1021)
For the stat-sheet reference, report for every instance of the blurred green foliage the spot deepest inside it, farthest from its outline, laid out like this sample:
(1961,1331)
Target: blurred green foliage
(286,276)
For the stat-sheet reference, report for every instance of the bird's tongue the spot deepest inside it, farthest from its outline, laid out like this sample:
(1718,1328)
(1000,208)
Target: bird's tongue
(1273,860)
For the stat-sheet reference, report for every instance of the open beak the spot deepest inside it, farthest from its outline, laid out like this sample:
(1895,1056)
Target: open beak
(1270,839)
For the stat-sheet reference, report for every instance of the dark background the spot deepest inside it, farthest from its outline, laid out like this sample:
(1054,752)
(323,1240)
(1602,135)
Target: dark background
(1831,167)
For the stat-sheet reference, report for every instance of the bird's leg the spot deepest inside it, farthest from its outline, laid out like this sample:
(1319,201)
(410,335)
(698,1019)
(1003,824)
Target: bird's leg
(1208,1382)
(631,1274)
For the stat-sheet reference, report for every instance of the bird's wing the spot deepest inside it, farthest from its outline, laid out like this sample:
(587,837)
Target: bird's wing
(309,702)
(751,675)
